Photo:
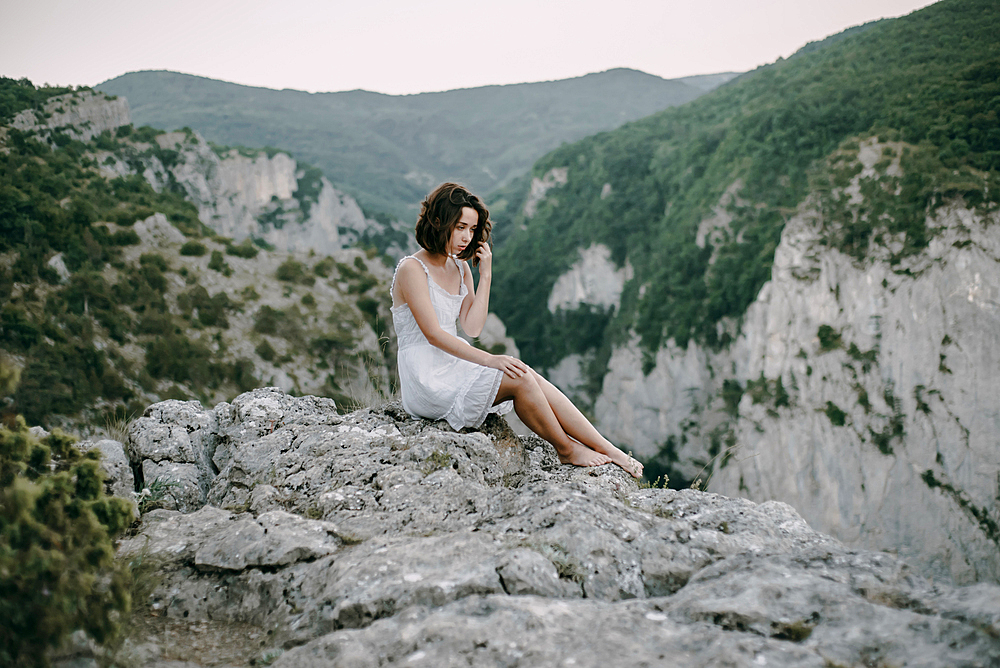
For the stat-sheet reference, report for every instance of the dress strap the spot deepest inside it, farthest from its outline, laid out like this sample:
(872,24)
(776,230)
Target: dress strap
(392,287)
(461,272)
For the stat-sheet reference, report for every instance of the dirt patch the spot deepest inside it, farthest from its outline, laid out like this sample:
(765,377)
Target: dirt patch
(154,640)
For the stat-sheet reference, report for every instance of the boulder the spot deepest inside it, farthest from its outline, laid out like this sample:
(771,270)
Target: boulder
(172,444)
(118,477)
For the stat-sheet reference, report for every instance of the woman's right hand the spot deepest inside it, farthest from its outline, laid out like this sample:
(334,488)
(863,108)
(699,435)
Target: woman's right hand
(511,366)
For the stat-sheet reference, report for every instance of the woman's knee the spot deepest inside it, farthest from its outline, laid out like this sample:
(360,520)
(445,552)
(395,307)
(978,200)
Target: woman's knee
(526,384)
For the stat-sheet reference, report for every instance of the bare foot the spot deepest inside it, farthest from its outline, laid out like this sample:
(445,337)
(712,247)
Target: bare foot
(581,455)
(631,465)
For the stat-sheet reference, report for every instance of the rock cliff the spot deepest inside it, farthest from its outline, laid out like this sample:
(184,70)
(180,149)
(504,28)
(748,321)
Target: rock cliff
(81,115)
(372,539)
(246,193)
(864,394)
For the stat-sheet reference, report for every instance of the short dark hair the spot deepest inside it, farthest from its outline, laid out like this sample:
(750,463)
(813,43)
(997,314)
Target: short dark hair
(440,212)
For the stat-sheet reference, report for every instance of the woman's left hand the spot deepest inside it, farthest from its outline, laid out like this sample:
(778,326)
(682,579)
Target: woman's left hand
(485,256)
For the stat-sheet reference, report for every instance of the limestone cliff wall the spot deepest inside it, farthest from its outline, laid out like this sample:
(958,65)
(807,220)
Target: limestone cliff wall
(263,196)
(82,115)
(869,396)
(239,193)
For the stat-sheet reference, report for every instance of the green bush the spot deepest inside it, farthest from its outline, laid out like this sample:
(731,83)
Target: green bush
(324,267)
(291,271)
(66,377)
(193,248)
(56,546)
(177,358)
(155,260)
(731,394)
(272,321)
(829,339)
(245,248)
(211,309)
(219,265)
(837,416)
(266,351)
(267,319)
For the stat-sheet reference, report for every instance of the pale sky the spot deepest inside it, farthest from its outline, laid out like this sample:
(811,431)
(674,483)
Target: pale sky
(408,46)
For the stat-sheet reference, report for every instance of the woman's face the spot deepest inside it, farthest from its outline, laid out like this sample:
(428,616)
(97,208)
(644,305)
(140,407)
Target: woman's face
(462,233)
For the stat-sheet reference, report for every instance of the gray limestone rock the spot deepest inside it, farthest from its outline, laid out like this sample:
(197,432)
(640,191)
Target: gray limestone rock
(82,115)
(118,477)
(375,539)
(173,443)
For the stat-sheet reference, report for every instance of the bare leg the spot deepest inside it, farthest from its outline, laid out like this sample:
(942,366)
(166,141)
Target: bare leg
(534,410)
(579,427)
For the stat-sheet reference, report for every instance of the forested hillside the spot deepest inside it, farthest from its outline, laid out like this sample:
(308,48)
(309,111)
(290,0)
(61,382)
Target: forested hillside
(790,287)
(929,80)
(388,151)
(115,294)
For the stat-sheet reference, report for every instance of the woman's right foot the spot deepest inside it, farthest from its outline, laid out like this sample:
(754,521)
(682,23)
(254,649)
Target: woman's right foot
(581,455)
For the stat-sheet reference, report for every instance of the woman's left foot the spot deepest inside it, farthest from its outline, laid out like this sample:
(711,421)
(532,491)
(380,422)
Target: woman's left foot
(631,465)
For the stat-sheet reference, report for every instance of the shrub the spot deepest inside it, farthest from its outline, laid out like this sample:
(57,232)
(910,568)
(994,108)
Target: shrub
(245,248)
(125,238)
(218,264)
(193,248)
(324,267)
(829,338)
(211,309)
(177,358)
(155,260)
(291,271)
(17,331)
(56,546)
(266,351)
(837,416)
(267,319)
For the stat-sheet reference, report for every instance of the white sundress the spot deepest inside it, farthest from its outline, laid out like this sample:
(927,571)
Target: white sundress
(436,384)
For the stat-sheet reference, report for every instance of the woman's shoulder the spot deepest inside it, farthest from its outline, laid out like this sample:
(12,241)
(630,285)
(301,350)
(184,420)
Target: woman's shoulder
(411,269)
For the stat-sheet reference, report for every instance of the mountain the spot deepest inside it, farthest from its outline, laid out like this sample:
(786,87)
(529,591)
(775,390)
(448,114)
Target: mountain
(388,151)
(137,265)
(788,287)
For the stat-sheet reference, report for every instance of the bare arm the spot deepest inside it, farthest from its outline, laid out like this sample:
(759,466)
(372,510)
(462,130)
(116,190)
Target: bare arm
(414,290)
(476,305)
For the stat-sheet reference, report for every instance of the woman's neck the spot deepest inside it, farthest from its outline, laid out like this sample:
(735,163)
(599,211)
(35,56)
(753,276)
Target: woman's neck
(439,260)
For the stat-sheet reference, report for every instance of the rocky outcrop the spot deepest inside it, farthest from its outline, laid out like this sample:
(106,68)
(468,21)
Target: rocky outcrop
(540,187)
(863,394)
(246,193)
(374,539)
(82,115)
(118,477)
(172,446)
(593,280)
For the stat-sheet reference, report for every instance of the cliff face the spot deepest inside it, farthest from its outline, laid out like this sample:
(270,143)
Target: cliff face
(82,115)
(866,395)
(372,539)
(243,193)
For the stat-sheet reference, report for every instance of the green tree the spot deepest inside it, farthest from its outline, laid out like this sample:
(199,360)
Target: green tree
(57,527)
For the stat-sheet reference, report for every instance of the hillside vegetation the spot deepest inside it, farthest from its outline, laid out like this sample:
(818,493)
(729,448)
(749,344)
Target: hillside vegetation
(115,295)
(773,136)
(388,151)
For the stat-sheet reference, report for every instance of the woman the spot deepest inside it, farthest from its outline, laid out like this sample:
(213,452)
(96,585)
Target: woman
(442,376)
